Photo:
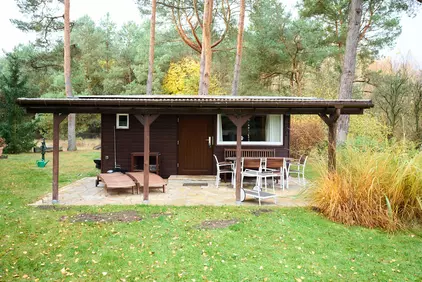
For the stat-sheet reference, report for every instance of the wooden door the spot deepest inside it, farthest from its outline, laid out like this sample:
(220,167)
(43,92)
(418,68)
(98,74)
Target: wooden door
(195,153)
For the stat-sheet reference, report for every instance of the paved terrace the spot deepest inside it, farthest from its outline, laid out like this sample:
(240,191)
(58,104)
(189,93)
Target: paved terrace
(181,191)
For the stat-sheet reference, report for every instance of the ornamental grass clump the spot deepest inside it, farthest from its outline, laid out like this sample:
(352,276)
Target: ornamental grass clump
(372,188)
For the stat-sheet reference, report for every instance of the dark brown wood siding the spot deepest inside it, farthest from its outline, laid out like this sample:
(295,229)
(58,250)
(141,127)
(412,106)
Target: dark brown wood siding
(163,140)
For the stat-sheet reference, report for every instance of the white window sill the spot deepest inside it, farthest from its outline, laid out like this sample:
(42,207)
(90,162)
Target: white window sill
(245,143)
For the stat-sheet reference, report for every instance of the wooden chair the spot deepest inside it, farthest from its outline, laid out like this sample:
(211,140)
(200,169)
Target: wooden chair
(276,168)
(250,167)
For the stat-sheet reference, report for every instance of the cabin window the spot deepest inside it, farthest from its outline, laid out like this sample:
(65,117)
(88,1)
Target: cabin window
(122,121)
(258,130)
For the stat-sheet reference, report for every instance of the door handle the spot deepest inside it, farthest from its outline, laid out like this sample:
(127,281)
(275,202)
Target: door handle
(209,140)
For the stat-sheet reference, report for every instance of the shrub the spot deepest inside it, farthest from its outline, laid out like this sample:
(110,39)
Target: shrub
(306,133)
(372,188)
(359,125)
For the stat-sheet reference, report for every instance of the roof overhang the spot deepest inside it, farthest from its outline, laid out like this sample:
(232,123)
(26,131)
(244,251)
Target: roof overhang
(172,104)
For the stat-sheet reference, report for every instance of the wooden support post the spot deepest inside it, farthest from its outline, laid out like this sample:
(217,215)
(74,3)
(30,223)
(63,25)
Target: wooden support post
(332,144)
(331,122)
(147,126)
(239,121)
(146,120)
(57,119)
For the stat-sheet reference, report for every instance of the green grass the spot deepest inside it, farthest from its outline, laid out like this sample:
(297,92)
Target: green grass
(311,172)
(285,244)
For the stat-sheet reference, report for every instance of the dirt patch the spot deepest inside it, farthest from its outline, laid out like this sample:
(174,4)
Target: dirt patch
(123,216)
(216,224)
(261,211)
(155,215)
(53,207)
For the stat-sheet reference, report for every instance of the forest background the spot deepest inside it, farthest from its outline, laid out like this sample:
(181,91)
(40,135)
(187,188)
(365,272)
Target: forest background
(283,55)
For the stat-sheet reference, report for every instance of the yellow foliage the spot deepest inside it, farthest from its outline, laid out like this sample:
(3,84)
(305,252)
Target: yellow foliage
(106,64)
(369,126)
(183,78)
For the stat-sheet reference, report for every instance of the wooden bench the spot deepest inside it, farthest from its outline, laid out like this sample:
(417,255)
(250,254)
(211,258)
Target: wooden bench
(154,180)
(115,180)
(250,153)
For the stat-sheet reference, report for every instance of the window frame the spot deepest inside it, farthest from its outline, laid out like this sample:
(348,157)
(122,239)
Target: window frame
(255,143)
(118,126)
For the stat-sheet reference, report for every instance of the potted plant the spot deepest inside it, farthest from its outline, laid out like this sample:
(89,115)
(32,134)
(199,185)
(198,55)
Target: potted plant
(2,145)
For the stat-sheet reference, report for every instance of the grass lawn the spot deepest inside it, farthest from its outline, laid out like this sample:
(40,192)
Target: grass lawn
(171,243)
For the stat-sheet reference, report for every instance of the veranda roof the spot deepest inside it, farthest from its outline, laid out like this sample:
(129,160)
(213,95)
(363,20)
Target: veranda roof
(177,104)
(149,107)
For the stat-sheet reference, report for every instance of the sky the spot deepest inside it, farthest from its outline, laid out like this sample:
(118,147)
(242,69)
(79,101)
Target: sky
(409,42)
(408,45)
(121,11)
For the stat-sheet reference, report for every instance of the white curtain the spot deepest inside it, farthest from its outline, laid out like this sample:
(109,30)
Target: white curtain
(273,128)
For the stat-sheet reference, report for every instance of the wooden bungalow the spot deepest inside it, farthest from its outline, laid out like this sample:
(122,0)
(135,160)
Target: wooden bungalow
(179,134)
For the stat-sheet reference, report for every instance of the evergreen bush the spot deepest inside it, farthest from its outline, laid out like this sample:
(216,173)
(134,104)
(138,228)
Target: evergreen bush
(15,126)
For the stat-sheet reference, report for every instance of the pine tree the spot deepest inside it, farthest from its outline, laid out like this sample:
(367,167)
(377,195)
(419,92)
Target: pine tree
(17,128)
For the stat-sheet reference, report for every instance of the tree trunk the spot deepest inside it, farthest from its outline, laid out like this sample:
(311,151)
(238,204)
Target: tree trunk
(417,128)
(417,109)
(349,65)
(151,47)
(201,72)
(235,84)
(206,52)
(71,129)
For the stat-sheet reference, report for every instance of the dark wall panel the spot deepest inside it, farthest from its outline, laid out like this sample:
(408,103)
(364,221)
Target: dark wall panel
(163,140)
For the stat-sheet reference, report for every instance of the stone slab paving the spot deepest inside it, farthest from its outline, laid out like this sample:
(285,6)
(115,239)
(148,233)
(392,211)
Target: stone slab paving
(84,192)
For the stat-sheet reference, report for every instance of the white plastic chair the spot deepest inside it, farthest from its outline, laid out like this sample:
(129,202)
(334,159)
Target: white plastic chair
(298,168)
(223,167)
